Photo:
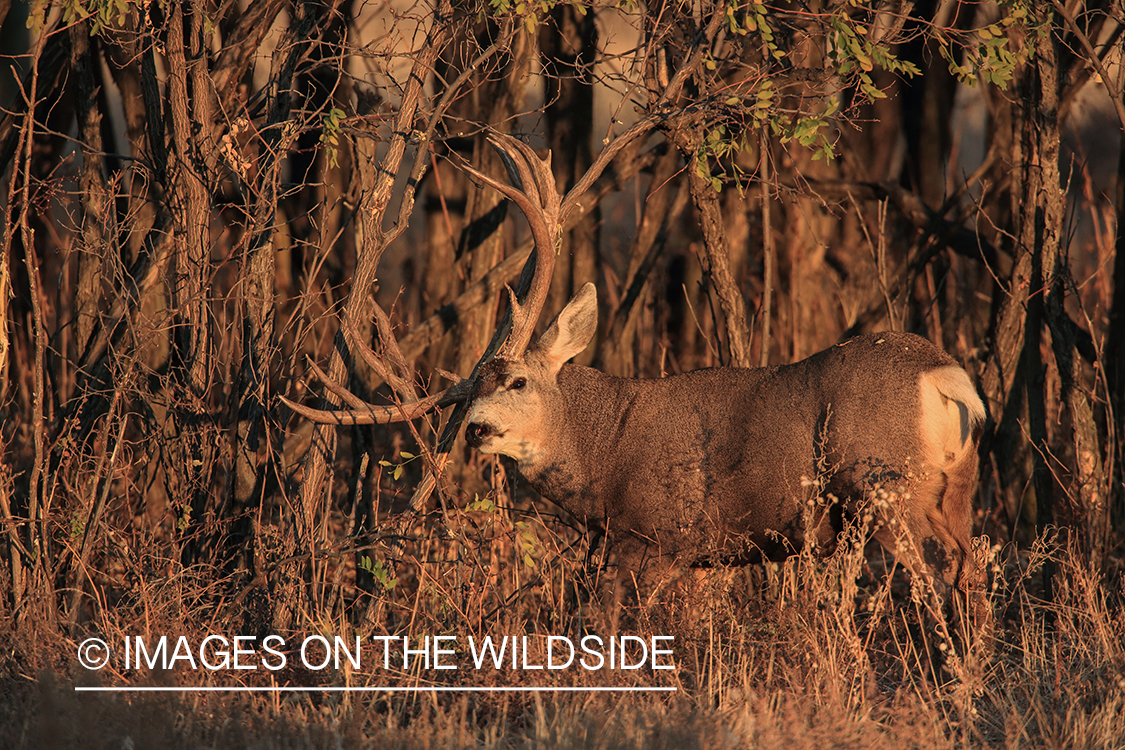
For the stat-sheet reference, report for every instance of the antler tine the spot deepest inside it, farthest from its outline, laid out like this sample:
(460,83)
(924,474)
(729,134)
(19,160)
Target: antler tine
(519,172)
(533,190)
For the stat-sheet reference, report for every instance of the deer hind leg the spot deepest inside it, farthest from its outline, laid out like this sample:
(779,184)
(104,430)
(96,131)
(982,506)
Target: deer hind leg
(955,511)
(914,528)
(913,531)
(929,530)
(956,514)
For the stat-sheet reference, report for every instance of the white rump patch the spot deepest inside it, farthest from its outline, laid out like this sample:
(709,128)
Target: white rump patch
(950,411)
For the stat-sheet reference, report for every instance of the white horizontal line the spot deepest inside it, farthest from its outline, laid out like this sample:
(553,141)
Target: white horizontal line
(419,689)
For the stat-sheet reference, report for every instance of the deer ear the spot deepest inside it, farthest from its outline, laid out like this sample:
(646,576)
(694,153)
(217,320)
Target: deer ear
(572,330)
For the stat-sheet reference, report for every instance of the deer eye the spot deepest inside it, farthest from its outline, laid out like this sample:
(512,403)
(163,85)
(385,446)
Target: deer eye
(518,384)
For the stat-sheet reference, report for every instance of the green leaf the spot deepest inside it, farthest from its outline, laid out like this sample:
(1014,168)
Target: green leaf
(701,168)
(37,17)
(869,88)
(481,504)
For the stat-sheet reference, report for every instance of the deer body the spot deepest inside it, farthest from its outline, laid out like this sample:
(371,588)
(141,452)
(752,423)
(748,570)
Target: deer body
(719,464)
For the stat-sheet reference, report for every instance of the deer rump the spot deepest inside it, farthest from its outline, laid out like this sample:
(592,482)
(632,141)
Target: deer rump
(720,465)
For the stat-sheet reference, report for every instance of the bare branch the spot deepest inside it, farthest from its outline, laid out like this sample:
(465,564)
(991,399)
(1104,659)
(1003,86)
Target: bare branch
(1113,91)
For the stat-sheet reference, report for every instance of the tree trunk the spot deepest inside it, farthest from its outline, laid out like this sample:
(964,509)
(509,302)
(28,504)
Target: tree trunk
(715,258)
(190,162)
(97,208)
(569,48)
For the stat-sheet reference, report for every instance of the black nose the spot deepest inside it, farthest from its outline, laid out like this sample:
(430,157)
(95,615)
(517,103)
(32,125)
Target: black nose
(476,432)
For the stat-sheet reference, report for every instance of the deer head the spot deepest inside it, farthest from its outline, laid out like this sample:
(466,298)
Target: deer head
(516,405)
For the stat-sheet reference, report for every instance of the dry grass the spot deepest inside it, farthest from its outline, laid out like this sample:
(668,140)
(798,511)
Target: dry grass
(810,653)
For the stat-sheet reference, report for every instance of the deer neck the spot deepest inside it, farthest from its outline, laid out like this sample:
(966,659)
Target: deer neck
(573,473)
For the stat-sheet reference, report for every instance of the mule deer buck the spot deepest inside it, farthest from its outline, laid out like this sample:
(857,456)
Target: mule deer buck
(715,465)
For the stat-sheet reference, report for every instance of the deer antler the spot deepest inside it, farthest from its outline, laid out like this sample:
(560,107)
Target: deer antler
(362,412)
(533,190)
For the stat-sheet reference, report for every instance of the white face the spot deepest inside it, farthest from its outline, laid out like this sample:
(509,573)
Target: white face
(507,413)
